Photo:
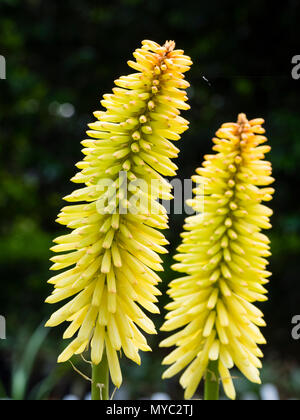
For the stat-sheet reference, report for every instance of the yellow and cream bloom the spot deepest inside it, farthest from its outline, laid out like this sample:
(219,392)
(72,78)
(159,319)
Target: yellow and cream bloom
(223,255)
(109,259)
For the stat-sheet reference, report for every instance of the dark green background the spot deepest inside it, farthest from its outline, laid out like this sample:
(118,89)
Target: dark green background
(71,52)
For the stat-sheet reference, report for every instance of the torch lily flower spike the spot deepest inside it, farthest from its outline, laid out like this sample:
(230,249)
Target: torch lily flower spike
(110,257)
(223,255)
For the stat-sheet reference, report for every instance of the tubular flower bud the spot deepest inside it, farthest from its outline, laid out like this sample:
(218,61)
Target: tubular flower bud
(110,257)
(223,255)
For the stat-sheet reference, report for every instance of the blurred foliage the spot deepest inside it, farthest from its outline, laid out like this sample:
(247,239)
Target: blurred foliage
(23,351)
(70,52)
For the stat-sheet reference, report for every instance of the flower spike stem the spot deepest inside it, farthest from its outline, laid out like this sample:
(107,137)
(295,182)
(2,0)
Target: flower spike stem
(100,380)
(212,387)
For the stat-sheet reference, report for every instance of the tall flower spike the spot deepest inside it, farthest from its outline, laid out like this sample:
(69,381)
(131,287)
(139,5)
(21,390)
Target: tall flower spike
(223,254)
(114,241)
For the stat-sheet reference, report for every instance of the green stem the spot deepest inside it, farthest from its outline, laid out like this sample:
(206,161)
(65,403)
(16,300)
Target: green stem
(100,378)
(211,392)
